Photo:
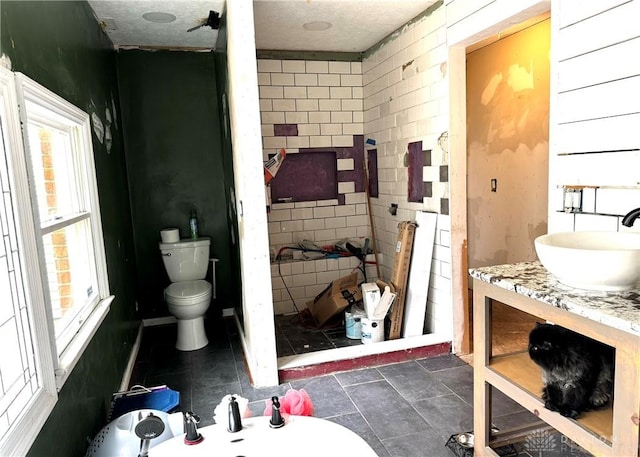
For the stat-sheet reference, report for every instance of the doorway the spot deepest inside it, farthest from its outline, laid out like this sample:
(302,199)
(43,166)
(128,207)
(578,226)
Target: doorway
(503,194)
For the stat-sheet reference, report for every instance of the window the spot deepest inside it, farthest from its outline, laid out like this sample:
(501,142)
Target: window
(54,290)
(62,194)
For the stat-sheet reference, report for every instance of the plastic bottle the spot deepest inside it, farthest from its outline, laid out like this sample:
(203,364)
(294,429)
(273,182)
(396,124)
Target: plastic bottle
(193,225)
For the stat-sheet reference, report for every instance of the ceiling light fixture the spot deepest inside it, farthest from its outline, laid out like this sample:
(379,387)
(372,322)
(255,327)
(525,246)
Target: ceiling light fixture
(317,26)
(158,17)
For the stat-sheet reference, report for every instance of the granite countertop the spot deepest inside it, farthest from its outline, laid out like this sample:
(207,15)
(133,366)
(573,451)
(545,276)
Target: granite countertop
(620,310)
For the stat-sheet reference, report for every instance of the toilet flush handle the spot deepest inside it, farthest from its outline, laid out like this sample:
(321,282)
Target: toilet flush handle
(168,254)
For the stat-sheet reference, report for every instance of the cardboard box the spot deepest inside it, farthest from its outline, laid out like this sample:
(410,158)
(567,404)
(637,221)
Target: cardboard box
(370,297)
(335,298)
(377,297)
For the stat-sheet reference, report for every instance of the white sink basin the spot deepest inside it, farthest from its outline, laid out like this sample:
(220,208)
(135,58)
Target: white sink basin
(608,261)
(300,436)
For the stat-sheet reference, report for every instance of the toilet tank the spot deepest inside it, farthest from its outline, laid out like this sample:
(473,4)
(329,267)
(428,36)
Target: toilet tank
(187,259)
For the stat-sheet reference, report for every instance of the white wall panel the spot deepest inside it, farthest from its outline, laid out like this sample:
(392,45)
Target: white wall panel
(588,222)
(610,27)
(488,18)
(605,134)
(611,99)
(612,62)
(458,10)
(613,169)
(572,11)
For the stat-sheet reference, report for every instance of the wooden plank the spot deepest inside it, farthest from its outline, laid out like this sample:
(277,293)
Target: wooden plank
(481,355)
(419,274)
(520,369)
(400,275)
(467,321)
(626,390)
(568,427)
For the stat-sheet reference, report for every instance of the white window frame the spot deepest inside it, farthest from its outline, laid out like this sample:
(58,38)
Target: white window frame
(24,431)
(32,95)
(53,368)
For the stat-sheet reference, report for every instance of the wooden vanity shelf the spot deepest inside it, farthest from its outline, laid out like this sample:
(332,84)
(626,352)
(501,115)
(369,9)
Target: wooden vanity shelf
(519,369)
(611,318)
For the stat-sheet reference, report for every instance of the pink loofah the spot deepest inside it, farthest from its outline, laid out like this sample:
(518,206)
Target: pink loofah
(294,402)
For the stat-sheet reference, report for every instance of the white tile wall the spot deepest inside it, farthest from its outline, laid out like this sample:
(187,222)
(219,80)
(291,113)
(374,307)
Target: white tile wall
(325,100)
(602,209)
(307,278)
(404,105)
(326,94)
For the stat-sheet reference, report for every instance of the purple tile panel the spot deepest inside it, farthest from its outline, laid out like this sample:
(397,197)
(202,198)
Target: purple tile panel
(356,153)
(415,191)
(306,177)
(285,129)
(372,165)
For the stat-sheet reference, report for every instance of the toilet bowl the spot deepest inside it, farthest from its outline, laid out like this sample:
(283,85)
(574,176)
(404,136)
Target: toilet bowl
(188,296)
(188,302)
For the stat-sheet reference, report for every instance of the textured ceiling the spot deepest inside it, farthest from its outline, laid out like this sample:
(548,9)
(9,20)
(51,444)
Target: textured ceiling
(356,24)
(132,30)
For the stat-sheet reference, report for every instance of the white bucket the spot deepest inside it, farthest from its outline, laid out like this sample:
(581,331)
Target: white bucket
(372,330)
(353,324)
(170,235)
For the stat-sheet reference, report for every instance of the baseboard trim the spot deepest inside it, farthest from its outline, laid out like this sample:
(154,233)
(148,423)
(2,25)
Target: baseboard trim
(128,371)
(151,322)
(368,361)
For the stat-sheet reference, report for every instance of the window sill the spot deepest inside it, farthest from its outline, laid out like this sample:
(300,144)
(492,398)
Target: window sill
(72,354)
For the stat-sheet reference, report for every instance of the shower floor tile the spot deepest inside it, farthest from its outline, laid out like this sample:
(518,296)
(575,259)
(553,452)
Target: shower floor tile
(299,334)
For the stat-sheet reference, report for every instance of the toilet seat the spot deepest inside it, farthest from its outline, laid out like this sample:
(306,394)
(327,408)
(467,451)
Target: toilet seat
(188,292)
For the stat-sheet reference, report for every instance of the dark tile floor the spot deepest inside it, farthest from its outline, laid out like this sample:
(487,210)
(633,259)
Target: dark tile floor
(299,334)
(404,409)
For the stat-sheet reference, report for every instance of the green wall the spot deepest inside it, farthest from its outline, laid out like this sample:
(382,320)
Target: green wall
(175,162)
(59,45)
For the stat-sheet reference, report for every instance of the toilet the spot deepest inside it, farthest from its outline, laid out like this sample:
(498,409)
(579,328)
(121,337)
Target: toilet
(189,295)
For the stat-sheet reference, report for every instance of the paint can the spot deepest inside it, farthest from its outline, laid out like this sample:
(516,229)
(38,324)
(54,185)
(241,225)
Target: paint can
(353,323)
(372,330)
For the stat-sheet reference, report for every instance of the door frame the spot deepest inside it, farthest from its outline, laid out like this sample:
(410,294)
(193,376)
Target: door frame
(492,22)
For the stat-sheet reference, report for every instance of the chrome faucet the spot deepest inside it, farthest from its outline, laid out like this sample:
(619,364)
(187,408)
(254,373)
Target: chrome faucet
(631,217)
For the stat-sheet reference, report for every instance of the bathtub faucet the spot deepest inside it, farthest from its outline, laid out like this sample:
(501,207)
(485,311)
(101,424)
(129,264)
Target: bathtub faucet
(631,217)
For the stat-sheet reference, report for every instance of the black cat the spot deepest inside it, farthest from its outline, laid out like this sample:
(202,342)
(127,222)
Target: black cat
(577,372)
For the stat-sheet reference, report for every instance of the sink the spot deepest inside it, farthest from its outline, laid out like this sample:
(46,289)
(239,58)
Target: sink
(608,261)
